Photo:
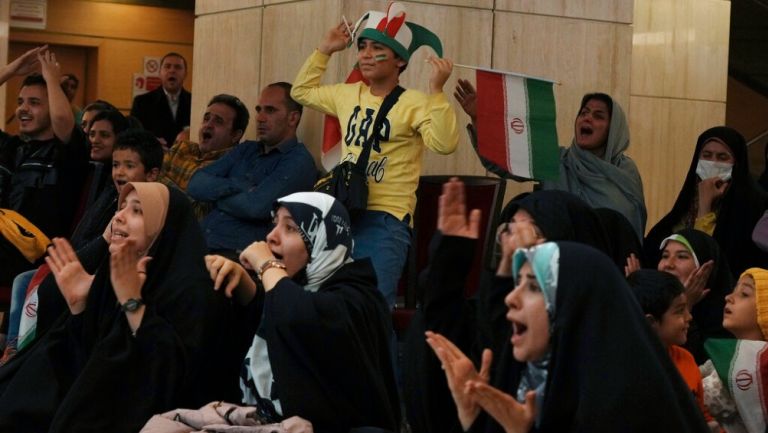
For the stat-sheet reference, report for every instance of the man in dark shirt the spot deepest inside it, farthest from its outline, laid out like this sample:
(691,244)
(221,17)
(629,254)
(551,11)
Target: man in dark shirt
(165,110)
(244,184)
(42,169)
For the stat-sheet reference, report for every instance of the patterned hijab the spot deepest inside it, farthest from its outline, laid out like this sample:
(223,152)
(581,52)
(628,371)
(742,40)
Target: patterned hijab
(324,226)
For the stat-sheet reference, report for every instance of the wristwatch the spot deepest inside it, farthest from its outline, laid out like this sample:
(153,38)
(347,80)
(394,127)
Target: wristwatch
(131,305)
(272,263)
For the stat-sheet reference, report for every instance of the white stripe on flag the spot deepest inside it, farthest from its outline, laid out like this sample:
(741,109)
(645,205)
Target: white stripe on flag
(745,384)
(517,126)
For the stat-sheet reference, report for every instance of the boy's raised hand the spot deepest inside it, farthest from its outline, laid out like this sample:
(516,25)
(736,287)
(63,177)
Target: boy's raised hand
(441,70)
(336,39)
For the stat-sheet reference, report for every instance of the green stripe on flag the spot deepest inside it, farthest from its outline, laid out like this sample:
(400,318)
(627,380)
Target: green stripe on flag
(542,123)
(722,351)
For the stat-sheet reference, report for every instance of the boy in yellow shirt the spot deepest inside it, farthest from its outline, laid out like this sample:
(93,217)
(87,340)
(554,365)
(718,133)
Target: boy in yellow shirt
(417,120)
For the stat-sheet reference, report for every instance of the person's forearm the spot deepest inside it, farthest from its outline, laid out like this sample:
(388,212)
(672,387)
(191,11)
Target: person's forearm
(5,74)
(62,118)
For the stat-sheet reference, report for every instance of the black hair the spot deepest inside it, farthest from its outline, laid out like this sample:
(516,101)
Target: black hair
(654,290)
(174,54)
(241,111)
(72,77)
(602,97)
(145,144)
(99,105)
(33,80)
(290,103)
(115,118)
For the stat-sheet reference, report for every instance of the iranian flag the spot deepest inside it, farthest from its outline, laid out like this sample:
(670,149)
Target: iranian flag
(330,153)
(742,366)
(516,129)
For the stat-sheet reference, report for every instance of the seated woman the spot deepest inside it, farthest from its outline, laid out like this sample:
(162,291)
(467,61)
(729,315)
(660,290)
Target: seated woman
(321,349)
(694,258)
(594,167)
(581,358)
(139,336)
(720,198)
(739,404)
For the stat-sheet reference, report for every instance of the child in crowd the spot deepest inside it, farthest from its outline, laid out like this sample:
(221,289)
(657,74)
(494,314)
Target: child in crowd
(136,157)
(416,121)
(662,298)
(734,380)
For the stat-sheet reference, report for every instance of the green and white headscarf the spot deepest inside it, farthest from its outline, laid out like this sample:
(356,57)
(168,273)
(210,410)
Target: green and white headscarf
(545,262)
(680,238)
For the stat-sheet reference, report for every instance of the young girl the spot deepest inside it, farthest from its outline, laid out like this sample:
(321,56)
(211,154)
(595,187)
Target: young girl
(584,358)
(137,334)
(733,379)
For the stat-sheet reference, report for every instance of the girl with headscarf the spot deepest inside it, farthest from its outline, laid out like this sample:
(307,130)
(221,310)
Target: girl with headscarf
(581,356)
(720,198)
(734,379)
(694,258)
(321,349)
(138,333)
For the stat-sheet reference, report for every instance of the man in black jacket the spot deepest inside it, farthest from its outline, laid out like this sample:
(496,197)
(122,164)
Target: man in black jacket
(165,110)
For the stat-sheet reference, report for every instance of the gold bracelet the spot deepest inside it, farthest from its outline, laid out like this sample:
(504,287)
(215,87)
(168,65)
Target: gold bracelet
(269,264)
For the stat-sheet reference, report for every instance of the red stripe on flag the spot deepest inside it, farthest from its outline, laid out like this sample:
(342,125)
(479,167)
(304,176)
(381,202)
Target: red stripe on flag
(762,378)
(491,118)
(331,126)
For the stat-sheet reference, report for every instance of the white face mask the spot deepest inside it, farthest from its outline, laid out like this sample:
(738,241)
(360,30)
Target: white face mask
(709,169)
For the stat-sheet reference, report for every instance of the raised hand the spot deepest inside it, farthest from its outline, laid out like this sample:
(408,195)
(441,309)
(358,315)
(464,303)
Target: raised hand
(511,415)
(336,39)
(441,70)
(695,284)
(710,190)
(466,95)
(633,264)
(74,283)
(26,63)
(49,66)
(127,271)
(458,371)
(452,212)
(237,279)
(255,255)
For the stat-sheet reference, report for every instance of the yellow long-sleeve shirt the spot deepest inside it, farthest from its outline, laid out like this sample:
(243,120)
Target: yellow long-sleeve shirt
(415,121)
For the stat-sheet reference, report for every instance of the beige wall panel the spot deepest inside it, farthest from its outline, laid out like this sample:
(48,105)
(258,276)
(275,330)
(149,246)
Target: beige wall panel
(119,59)
(230,44)
(203,7)
(120,21)
(680,49)
(604,10)
(664,134)
(584,56)
(291,32)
